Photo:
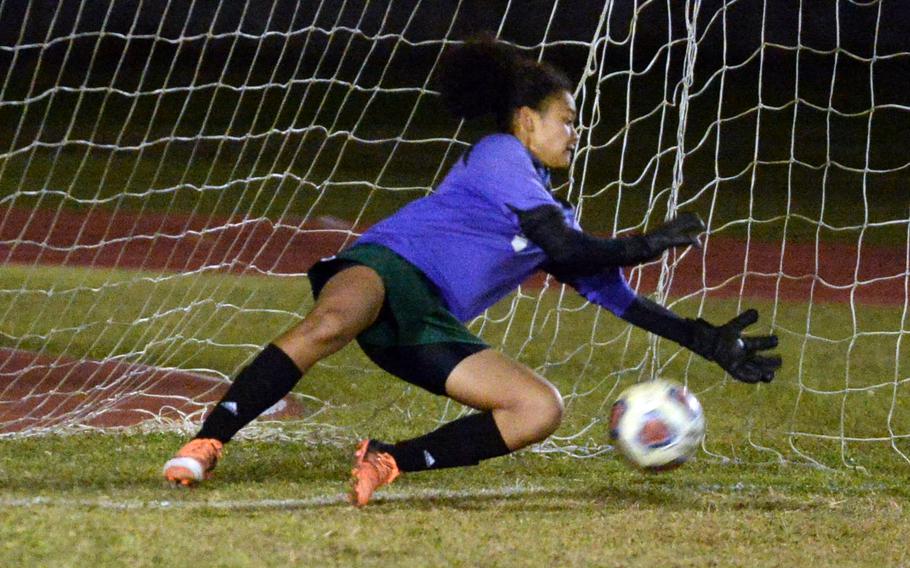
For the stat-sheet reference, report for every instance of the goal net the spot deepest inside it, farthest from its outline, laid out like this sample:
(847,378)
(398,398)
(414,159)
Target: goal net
(170,169)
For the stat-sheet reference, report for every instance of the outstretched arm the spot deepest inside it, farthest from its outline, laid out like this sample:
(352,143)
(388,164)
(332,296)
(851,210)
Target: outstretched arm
(740,356)
(575,252)
(590,264)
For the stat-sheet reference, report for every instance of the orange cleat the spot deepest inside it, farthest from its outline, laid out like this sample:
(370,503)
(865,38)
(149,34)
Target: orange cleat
(194,462)
(372,470)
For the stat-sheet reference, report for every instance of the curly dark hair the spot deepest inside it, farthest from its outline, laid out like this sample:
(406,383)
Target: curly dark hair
(484,76)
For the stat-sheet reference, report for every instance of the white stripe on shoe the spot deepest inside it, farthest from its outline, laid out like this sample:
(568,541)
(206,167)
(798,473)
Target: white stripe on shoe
(190,464)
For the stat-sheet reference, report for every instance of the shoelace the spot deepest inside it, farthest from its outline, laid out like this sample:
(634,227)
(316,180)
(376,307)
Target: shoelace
(385,465)
(209,451)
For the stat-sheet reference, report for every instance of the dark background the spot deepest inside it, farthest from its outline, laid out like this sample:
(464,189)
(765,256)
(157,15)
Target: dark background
(356,30)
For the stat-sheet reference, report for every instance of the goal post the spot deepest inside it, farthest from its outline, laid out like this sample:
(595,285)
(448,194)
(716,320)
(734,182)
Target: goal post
(169,170)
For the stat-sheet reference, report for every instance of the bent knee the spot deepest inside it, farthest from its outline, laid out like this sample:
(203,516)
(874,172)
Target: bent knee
(546,410)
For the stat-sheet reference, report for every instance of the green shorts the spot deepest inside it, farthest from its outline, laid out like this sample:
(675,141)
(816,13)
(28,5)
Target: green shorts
(414,312)
(415,336)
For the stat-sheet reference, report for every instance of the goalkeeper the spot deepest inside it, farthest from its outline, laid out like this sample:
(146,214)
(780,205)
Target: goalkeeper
(404,289)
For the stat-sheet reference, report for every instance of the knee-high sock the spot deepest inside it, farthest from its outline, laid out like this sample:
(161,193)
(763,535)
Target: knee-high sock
(262,383)
(462,442)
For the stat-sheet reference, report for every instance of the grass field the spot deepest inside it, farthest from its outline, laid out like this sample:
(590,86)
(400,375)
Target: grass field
(280,504)
(748,499)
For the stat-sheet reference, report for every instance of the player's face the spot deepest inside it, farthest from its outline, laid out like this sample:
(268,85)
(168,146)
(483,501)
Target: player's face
(552,137)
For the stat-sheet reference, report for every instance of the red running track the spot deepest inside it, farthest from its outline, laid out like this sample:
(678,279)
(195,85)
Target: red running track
(157,242)
(38,391)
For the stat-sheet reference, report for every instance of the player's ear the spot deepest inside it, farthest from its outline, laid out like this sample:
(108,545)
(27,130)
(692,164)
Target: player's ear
(524,118)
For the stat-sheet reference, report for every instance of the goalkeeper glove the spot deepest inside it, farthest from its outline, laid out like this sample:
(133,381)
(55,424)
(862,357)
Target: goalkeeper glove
(737,355)
(682,231)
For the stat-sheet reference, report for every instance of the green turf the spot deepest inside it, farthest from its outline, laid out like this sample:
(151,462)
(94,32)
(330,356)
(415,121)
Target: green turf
(749,499)
(275,504)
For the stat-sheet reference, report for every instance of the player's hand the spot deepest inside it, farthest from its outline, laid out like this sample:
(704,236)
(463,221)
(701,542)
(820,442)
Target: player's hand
(740,356)
(682,231)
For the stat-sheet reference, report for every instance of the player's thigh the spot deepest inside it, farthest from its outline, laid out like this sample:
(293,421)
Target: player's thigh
(348,303)
(489,380)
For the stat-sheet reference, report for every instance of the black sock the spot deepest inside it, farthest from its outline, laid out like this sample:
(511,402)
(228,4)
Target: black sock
(262,383)
(465,441)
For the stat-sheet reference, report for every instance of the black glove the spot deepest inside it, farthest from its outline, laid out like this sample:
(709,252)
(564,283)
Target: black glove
(682,231)
(736,354)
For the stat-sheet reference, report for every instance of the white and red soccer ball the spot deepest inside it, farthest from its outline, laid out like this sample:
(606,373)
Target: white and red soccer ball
(657,425)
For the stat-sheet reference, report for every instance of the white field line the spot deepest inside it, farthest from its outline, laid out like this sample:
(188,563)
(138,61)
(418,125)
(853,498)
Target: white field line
(267,504)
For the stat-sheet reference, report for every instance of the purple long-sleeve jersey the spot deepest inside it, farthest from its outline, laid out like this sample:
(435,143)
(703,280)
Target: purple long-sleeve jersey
(468,241)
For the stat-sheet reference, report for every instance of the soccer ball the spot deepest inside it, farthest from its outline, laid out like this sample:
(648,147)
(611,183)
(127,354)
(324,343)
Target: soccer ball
(657,425)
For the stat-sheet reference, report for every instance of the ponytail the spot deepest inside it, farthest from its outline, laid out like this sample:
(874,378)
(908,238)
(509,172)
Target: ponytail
(483,76)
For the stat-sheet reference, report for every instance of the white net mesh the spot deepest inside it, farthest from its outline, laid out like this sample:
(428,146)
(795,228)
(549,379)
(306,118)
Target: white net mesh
(172,169)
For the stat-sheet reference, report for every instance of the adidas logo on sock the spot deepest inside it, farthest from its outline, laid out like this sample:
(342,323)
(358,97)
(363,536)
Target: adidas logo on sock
(428,458)
(230,406)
